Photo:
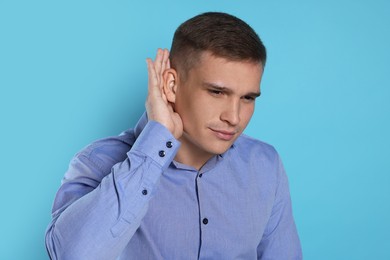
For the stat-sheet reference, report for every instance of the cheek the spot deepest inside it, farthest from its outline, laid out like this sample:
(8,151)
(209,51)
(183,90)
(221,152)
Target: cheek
(246,113)
(191,112)
(183,104)
(197,106)
(198,117)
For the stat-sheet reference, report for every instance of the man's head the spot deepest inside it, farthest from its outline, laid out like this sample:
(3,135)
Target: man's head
(217,64)
(221,34)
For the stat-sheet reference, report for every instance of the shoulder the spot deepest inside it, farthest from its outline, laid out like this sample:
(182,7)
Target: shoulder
(255,149)
(106,152)
(258,163)
(257,157)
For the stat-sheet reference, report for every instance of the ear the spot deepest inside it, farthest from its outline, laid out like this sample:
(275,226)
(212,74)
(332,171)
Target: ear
(170,84)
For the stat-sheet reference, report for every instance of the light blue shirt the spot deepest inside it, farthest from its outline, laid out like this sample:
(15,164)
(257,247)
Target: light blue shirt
(125,197)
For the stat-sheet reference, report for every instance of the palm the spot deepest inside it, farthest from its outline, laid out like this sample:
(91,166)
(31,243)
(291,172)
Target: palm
(157,105)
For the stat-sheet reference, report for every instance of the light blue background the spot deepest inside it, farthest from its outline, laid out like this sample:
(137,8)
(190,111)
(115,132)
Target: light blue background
(74,71)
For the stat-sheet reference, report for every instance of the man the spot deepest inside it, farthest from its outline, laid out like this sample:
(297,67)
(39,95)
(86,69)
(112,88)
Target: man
(185,183)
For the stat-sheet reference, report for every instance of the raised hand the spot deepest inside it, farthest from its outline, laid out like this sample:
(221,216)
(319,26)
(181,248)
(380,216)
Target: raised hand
(157,106)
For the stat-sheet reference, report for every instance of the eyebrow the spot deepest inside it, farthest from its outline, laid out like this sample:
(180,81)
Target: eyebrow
(228,90)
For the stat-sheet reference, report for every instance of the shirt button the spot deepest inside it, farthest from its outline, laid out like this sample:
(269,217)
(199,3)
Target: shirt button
(205,221)
(161,153)
(200,175)
(145,192)
(169,144)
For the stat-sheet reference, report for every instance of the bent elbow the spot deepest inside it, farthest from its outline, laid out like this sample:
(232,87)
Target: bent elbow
(51,243)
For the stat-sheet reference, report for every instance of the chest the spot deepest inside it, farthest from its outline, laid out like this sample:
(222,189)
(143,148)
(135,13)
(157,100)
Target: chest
(213,215)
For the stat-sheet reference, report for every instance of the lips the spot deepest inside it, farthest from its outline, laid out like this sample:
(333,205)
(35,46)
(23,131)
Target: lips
(223,134)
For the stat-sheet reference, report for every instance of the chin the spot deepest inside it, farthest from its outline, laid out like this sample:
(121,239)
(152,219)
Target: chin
(218,149)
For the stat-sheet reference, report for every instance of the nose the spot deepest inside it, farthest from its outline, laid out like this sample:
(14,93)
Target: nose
(231,113)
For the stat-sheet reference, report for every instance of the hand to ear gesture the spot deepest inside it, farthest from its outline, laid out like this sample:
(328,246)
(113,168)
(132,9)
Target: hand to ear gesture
(158,107)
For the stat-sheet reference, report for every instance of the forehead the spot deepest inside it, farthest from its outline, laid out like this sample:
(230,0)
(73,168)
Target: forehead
(236,75)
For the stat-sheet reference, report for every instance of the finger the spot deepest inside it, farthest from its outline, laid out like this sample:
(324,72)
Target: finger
(168,60)
(169,64)
(165,60)
(151,70)
(152,77)
(158,61)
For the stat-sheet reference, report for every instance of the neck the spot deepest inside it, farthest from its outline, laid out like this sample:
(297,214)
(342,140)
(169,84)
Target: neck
(191,155)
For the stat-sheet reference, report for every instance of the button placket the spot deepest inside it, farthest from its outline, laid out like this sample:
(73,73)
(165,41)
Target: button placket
(204,220)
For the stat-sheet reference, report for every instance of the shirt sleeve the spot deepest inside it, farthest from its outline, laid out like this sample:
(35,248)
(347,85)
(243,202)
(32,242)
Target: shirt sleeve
(280,239)
(96,213)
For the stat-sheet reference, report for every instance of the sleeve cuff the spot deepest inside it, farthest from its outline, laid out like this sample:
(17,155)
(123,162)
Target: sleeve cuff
(157,143)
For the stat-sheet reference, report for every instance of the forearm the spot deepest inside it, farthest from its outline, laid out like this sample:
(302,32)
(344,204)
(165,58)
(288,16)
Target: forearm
(99,224)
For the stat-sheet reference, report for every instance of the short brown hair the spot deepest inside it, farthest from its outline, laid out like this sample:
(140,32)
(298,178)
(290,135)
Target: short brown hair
(222,34)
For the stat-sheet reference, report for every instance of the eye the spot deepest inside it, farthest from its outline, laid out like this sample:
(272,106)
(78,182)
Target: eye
(215,92)
(249,98)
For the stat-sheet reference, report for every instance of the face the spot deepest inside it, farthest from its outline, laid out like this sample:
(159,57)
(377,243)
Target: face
(216,102)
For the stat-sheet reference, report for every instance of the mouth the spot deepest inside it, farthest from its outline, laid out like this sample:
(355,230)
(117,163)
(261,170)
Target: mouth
(223,134)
